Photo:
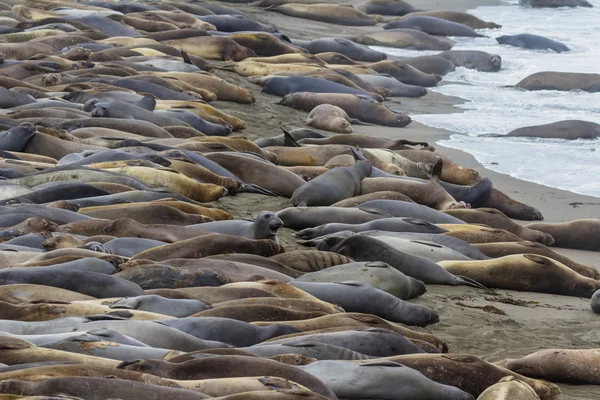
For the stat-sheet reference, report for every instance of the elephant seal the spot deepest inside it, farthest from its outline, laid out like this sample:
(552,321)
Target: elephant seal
(498,220)
(554,3)
(265,226)
(570,130)
(378,274)
(89,283)
(355,296)
(428,250)
(501,249)
(564,81)
(509,388)
(397,88)
(236,23)
(332,186)
(558,365)
(362,141)
(410,39)
(16,138)
(433,26)
(156,304)
(283,85)
(456,16)
(595,302)
(166,277)
(535,42)
(474,59)
(386,7)
(227,367)
(207,245)
(343,46)
(233,332)
(406,73)
(212,48)
(296,134)
(363,248)
(380,379)
(362,108)
(312,349)
(308,217)
(430,64)
(383,224)
(332,13)
(511,207)
(29,293)
(329,118)
(400,209)
(309,261)
(525,272)
(578,234)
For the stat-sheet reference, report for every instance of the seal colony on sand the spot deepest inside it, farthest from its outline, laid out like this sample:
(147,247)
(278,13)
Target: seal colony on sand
(160,237)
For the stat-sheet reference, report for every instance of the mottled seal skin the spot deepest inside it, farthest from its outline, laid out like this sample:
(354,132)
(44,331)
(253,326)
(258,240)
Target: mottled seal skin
(474,59)
(433,26)
(230,331)
(526,272)
(309,261)
(570,130)
(361,297)
(332,186)
(579,234)
(175,308)
(228,367)
(554,3)
(378,274)
(363,248)
(381,379)
(558,365)
(89,283)
(535,42)
(564,81)
(343,46)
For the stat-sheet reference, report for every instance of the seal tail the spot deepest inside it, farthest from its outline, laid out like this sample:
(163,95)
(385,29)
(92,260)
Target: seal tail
(464,280)
(288,139)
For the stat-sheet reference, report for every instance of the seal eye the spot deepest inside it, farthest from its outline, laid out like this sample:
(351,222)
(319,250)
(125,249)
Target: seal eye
(267,216)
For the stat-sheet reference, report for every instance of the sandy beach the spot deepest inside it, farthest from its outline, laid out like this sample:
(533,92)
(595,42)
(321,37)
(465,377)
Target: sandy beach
(495,324)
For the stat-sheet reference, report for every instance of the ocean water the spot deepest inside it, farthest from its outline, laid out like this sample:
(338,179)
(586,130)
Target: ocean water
(493,108)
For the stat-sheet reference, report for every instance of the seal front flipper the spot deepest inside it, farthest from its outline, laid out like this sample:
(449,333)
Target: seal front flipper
(464,280)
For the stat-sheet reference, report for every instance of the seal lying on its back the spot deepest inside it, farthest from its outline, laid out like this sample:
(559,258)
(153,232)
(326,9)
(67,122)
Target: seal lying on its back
(528,41)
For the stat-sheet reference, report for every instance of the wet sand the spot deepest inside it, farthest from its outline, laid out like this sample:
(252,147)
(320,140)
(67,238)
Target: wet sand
(493,324)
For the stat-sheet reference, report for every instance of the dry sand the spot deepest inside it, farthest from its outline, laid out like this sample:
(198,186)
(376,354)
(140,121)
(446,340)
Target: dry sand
(493,324)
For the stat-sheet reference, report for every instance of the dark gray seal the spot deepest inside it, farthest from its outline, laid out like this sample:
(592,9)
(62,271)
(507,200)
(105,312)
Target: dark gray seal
(554,3)
(289,137)
(265,226)
(157,304)
(595,302)
(398,208)
(129,247)
(376,342)
(89,283)
(570,130)
(283,85)
(430,64)
(16,138)
(474,59)
(86,264)
(334,185)
(236,23)
(535,42)
(343,46)
(386,7)
(230,331)
(361,297)
(397,88)
(565,81)
(405,224)
(363,248)
(306,348)
(122,110)
(308,217)
(10,99)
(433,26)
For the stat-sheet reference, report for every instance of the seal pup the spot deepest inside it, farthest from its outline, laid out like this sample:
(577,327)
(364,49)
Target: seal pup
(329,118)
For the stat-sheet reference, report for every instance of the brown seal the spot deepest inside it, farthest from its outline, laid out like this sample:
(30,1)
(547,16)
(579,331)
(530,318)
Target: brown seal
(451,171)
(210,245)
(212,48)
(145,214)
(511,207)
(27,293)
(332,13)
(329,118)
(127,227)
(364,141)
(484,235)
(497,220)
(309,260)
(565,81)
(456,16)
(525,272)
(579,234)
(501,249)
(297,304)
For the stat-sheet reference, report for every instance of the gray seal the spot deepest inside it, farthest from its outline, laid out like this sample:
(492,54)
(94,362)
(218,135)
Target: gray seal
(308,217)
(397,88)
(570,130)
(343,46)
(230,331)
(129,247)
(397,208)
(16,138)
(363,248)
(381,380)
(361,297)
(236,23)
(334,185)
(565,81)
(428,250)
(554,3)
(160,305)
(430,64)
(377,274)
(306,348)
(98,334)
(474,59)
(265,226)
(433,26)
(595,302)
(383,224)
(386,7)
(284,140)
(535,42)
(86,264)
(283,85)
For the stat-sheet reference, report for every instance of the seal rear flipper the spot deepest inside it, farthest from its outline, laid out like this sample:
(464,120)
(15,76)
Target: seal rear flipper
(436,170)
(186,57)
(147,103)
(111,316)
(465,280)
(252,188)
(288,139)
